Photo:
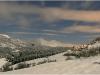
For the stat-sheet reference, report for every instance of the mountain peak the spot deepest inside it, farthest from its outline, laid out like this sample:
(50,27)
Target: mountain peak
(4,36)
(6,41)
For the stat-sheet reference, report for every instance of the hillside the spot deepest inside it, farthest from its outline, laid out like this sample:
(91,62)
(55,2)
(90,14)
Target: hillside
(6,41)
(41,59)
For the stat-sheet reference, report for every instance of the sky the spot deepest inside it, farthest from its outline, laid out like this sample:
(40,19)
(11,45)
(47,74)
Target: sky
(66,23)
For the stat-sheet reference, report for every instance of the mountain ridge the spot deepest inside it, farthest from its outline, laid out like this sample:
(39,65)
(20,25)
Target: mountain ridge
(7,41)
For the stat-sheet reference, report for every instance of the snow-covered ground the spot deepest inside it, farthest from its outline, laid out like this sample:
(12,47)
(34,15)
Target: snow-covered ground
(2,62)
(96,45)
(59,57)
(77,66)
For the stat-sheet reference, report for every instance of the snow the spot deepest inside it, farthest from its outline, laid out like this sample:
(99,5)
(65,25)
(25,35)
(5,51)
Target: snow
(6,41)
(58,57)
(77,66)
(4,35)
(96,45)
(2,62)
(53,43)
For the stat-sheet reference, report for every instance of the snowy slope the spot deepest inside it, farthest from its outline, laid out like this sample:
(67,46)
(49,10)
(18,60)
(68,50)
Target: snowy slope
(78,66)
(6,41)
(4,36)
(59,57)
(95,45)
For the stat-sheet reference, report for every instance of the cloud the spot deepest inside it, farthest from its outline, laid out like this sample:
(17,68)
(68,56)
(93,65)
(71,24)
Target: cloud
(54,43)
(76,15)
(91,36)
(23,22)
(50,34)
(27,33)
(15,12)
(25,28)
(12,12)
(21,33)
(81,28)
(50,30)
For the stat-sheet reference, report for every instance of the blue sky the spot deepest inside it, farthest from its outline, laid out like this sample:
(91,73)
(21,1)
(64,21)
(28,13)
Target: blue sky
(66,22)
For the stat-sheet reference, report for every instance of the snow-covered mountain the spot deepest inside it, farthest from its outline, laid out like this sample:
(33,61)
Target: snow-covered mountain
(4,36)
(53,43)
(6,41)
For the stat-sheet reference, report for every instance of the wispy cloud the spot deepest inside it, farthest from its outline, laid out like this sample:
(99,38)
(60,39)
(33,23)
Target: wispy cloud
(25,28)
(50,30)
(27,33)
(50,34)
(11,12)
(81,28)
(91,36)
(21,33)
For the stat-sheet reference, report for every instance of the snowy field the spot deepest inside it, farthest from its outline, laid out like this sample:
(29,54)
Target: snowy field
(77,66)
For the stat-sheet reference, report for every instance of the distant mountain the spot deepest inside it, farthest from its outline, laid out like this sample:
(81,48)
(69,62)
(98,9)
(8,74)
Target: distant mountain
(53,43)
(13,49)
(6,41)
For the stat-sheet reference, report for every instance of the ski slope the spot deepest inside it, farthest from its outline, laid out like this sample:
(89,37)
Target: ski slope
(77,66)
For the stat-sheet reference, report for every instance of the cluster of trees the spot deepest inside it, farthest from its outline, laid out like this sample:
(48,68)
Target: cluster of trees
(7,66)
(29,53)
(96,63)
(27,65)
(84,53)
(22,65)
(46,61)
(4,51)
(69,58)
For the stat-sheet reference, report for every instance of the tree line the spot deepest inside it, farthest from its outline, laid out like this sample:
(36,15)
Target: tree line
(30,53)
